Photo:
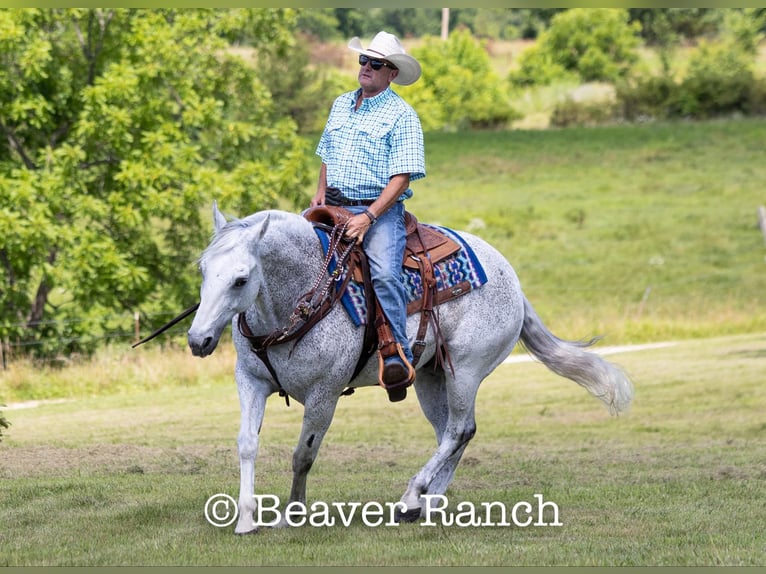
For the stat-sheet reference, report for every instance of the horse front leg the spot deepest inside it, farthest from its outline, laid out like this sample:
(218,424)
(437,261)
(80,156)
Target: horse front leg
(319,410)
(252,401)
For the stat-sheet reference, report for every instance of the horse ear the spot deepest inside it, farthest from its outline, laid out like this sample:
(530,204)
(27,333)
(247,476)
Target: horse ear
(264,227)
(218,218)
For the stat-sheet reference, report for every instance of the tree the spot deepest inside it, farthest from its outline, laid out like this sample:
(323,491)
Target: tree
(458,89)
(596,44)
(116,127)
(658,24)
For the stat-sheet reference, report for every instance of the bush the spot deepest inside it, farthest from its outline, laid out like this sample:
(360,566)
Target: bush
(570,113)
(596,44)
(718,81)
(648,97)
(4,424)
(756,98)
(459,88)
(538,67)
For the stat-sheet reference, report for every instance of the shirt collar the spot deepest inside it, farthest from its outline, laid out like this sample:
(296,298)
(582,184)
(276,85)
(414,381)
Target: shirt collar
(374,101)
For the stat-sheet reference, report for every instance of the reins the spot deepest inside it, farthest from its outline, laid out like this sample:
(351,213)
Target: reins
(310,309)
(167,325)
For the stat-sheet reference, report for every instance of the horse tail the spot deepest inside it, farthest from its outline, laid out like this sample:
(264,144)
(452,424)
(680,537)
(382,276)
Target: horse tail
(601,378)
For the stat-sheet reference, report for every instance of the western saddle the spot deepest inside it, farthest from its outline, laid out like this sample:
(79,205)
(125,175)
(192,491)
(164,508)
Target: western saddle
(425,246)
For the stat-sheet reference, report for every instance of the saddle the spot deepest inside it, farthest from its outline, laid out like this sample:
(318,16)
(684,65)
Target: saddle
(425,247)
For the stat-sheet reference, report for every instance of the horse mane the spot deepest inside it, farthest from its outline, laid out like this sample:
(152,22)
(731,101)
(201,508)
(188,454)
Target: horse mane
(230,235)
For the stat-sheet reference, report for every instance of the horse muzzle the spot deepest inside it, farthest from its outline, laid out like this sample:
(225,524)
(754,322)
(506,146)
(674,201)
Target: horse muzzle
(202,345)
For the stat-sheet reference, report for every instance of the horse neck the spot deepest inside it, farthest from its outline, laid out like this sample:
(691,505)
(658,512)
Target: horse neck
(290,260)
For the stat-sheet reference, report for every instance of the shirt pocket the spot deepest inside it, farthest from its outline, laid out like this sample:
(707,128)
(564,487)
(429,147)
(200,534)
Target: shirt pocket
(375,142)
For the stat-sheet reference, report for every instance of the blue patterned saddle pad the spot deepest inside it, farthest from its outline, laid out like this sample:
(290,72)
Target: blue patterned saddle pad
(459,269)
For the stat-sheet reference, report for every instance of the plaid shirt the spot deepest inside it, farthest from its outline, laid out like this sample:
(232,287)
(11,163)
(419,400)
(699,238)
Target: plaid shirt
(364,148)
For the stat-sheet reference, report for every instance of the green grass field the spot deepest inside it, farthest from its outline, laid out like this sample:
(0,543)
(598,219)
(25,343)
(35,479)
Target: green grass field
(123,479)
(637,232)
(640,233)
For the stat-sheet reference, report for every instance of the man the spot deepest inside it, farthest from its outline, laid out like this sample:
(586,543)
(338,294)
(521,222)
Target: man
(371,149)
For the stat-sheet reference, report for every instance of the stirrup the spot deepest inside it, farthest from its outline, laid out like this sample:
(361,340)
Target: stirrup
(396,376)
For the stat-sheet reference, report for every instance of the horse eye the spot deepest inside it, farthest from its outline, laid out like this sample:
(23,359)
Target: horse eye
(240,282)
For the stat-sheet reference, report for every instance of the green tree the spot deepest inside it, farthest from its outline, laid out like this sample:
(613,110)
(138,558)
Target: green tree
(657,24)
(117,126)
(744,28)
(458,89)
(594,43)
(305,92)
(320,23)
(718,80)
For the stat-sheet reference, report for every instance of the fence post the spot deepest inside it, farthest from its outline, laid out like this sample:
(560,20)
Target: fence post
(644,299)
(762,220)
(137,326)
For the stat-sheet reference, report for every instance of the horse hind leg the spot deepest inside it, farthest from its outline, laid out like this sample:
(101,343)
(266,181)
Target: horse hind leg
(431,391)
(451,412)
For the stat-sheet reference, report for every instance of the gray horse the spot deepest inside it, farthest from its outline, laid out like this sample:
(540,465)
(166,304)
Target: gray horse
(262,264)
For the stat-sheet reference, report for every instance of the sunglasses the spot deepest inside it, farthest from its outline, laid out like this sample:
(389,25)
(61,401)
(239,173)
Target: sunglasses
(374,64)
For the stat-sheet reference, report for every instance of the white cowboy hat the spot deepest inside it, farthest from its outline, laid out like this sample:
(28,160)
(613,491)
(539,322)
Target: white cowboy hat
(385,46)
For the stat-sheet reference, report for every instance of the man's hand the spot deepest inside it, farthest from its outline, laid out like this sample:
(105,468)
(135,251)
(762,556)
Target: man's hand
(358,226)
(318,198)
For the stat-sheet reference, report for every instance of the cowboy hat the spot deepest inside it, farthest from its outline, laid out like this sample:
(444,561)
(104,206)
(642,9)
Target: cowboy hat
(385,46)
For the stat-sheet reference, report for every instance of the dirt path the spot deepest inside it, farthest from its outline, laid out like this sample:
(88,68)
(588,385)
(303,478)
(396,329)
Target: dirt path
(600,351)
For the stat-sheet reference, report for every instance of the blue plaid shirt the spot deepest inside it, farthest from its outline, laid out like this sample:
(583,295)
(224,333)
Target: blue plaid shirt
(364,148)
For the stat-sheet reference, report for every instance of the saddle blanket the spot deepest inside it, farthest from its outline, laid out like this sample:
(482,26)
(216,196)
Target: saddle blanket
(461,268)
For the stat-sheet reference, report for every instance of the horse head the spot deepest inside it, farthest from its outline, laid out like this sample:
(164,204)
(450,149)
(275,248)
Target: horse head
(231,278)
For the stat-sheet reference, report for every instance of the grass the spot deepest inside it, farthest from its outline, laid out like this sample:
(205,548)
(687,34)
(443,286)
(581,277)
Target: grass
(639,232)
(642,233)
(112,370)
(122,479)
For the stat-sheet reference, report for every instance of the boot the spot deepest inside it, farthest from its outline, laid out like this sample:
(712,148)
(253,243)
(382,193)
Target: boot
(395,373)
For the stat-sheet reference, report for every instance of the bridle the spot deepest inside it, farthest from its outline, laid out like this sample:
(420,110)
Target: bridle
(311,307)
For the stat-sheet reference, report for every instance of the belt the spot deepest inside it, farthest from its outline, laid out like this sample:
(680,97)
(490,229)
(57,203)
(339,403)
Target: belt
(334,197)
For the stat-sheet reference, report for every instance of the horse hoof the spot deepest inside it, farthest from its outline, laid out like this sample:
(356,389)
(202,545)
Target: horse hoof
(248,533)
(409,515)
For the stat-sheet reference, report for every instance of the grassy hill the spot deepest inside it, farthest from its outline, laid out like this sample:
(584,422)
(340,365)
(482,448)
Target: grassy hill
(639,232)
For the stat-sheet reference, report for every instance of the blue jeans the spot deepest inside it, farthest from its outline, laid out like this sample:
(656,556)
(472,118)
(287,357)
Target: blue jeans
(384,245)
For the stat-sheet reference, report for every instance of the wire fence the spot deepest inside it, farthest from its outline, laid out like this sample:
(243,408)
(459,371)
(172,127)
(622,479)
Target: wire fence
(12,348)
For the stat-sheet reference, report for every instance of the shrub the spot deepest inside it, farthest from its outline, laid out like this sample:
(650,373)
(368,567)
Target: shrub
(718,80)
(4,424)
(648,97)
(756,98)
(539,67)
(596,44)
(458,89)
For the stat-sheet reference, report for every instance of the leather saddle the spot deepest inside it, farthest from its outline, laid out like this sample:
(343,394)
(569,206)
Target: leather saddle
(422,240)
(425,246)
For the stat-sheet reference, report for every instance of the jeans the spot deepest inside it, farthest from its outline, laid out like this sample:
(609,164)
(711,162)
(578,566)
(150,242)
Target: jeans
(384,245)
